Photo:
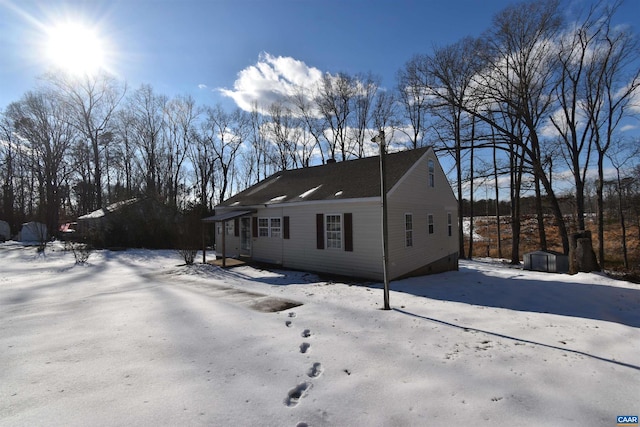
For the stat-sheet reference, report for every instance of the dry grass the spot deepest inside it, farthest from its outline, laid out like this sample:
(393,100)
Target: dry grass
(486,227)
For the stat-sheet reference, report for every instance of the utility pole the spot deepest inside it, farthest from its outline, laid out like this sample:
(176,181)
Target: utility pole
(383,196)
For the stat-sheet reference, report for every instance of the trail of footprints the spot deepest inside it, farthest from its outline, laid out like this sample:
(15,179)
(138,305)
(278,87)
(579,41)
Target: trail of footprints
(299,391)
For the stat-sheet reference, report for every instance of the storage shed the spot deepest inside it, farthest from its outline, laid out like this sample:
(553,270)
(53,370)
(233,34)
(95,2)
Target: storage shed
(33,232)
(548,261)
(5,231)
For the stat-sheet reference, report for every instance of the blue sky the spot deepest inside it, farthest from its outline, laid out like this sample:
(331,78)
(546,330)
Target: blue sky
(198,47)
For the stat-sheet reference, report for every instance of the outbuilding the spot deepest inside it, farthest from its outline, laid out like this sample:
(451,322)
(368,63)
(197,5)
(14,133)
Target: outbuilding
(5,231)
(33,232)
(547,261)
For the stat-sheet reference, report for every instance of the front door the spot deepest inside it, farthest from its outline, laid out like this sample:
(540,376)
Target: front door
(245,235)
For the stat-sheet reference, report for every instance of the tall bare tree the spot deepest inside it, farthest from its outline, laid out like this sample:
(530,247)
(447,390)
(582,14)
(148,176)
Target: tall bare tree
(42,124)
(334,101)
(414,99)
(147,109)
(92,100)
(612,80)
(181,116)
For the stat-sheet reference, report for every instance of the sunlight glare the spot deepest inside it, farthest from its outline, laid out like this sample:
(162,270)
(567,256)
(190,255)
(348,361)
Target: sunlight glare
(75,48)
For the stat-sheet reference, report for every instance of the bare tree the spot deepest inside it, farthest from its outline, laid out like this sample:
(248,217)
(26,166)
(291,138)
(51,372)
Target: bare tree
(92,100)
(517,81)
(621,155)
(414,98)
(284,134)
(612,80)
(147,109)
(311,123)
(9,153)
(181,115)
(447,77)
(334,101)
(225,133)
(42,124)
(366,88)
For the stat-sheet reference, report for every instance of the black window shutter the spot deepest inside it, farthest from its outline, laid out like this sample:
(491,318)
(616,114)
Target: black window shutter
(348,232)
(285,225)
(236,227)
(320,231)
(254,226)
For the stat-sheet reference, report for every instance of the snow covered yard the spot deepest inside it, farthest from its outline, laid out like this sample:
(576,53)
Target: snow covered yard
(133,338)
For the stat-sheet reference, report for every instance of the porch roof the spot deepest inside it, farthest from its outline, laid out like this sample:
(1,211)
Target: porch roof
(228,215)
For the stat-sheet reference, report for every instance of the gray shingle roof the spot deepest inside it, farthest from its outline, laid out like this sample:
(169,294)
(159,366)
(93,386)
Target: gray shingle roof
(334,181)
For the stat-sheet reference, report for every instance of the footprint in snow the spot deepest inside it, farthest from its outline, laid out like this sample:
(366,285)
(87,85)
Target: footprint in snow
(304,347)
(306,333)
(297,393)
(292,314)
(288,323)
(315,371)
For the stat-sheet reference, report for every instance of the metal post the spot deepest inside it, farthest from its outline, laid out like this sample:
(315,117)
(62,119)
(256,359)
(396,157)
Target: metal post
(383,196)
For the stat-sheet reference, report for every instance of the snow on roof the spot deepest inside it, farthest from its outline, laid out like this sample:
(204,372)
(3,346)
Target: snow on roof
(277,199)
(306,193)
(112,207)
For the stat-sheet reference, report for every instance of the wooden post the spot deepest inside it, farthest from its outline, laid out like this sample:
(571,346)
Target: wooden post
(224,252)
(204,245)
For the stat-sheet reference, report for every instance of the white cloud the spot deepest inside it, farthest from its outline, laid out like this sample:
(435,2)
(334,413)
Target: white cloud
(202,86)
(271,79)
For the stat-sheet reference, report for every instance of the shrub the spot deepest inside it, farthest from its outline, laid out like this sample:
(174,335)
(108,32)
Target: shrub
(188,255)
(81,251)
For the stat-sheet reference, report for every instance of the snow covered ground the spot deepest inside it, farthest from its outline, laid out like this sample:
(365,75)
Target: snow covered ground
(134,338)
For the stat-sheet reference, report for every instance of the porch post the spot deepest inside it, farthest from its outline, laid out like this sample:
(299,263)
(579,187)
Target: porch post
(204,245)
(224,251)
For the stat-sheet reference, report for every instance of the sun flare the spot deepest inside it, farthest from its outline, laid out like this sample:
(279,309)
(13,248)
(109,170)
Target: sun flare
(75,48)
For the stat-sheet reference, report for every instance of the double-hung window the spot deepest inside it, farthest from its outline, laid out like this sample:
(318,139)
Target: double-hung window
(449,224)
(408,229)
(269,227)
(333,231)
(263,227)
(430,223)
(275,227)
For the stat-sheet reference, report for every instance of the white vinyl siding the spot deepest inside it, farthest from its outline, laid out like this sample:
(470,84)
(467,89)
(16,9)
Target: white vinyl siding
(414,194)
(300,252)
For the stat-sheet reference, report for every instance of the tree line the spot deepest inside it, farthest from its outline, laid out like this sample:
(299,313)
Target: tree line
(532,96)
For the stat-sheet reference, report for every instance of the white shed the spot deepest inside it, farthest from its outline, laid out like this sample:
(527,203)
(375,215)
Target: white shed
(33,232)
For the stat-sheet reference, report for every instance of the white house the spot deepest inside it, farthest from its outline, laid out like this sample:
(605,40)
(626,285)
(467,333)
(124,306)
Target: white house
(328,218)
